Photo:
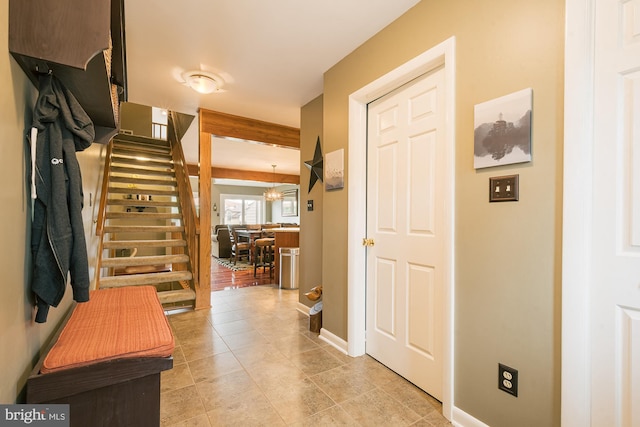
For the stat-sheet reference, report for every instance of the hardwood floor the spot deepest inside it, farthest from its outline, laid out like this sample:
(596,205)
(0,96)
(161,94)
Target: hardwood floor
(224,278)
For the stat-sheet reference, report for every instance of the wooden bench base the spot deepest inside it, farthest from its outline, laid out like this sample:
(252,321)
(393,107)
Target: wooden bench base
(121,391)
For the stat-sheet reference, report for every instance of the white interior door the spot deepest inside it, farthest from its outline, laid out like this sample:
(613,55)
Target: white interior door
(615,232)
(405,214)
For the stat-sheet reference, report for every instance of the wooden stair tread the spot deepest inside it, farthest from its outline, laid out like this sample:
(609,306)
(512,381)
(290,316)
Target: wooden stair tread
(142,152)
(148,143)
(142,148)
(142,203)
(142,181)
(142,171)
(142,215)
(139,139)
(179,295)
(126,244)
(158,155)
(145,260)
(152,192)
(131,160)
(144,279)
(165,165)
(143,229)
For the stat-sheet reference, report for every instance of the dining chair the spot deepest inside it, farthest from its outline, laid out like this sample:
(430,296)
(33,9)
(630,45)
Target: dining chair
(263,255)
(238,249)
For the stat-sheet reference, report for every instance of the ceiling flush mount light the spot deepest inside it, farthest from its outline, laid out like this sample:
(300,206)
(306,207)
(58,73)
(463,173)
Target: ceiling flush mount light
(272,194)
(203,82)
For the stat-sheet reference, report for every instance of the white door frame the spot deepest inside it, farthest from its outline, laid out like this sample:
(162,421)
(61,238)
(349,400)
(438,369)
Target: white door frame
(442,54)
(577,212)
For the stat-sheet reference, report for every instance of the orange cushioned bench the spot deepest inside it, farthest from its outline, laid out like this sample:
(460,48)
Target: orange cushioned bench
(105,361)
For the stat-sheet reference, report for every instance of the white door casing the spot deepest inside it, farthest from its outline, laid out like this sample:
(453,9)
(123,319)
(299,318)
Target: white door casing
(601,238)
(405,169)
(442,54)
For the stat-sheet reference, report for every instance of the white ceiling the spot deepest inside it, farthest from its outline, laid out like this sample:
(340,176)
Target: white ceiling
(254,156)
(271,54)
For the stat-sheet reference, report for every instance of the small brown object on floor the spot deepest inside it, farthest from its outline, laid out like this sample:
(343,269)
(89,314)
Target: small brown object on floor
(315,293)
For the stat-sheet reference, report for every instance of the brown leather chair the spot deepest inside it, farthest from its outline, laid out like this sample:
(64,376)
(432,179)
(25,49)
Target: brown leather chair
(220,242)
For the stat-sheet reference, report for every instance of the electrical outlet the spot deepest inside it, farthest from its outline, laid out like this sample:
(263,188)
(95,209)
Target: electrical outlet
(508,379)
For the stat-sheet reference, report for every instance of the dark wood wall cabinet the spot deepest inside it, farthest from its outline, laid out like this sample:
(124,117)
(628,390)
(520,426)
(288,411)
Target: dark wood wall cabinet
(82,42)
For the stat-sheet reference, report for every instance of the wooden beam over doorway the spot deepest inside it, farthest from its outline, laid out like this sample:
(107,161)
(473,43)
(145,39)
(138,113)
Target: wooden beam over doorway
(228,125)
(224,173)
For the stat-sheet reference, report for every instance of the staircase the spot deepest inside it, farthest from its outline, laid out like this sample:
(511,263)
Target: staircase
(142,224)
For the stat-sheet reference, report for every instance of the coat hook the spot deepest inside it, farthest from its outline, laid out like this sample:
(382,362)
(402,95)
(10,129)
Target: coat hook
(48,72)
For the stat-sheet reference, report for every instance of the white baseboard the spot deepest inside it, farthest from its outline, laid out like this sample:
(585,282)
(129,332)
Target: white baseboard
(334,340)
(302,309)
(462,419)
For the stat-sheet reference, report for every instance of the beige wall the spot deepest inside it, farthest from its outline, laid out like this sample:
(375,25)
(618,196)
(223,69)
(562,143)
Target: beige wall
(507,255)
(310,221)
(20,338)
(136,118)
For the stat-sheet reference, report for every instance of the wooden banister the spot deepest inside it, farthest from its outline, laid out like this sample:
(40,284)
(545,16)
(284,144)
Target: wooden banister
(187,203)
(102,209)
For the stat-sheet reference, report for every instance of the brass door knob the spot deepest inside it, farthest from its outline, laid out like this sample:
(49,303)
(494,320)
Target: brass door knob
(367,242)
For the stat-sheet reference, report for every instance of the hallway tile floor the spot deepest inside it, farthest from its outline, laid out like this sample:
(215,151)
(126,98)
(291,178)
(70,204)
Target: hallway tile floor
(250,360)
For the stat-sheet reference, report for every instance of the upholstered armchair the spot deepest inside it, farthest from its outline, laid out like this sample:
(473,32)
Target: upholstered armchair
(220,242)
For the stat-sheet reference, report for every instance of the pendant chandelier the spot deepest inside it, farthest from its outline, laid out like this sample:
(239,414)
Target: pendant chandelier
(272,194)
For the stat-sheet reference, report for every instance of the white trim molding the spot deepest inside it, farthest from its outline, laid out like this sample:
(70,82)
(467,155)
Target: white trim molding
(462,419)
(334,341)
(302,309)
(441,55)
(577,212)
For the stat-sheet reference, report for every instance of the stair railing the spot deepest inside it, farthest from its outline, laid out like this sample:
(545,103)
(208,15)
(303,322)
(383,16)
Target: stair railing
(187,203)
(102,209)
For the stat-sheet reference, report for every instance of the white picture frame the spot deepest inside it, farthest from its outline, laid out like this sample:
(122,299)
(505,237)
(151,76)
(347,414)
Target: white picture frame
(334,170)
(502,130)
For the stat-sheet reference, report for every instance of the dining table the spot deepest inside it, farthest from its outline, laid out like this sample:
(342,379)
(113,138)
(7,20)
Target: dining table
(249,235)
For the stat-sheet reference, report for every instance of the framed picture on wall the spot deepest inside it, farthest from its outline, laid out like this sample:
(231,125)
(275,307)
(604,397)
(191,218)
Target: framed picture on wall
(290,203)
(502,130)
(334,170)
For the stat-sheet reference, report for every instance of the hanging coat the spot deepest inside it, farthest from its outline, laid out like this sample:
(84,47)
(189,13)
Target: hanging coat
(58,243)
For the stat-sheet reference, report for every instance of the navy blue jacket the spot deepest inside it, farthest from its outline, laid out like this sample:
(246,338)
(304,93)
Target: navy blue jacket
(58,243)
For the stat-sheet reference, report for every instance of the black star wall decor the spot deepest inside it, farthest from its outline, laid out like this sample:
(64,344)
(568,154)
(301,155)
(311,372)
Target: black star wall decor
(315,166)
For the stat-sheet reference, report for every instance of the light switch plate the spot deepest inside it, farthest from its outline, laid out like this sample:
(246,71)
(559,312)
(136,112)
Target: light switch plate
(503,188)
